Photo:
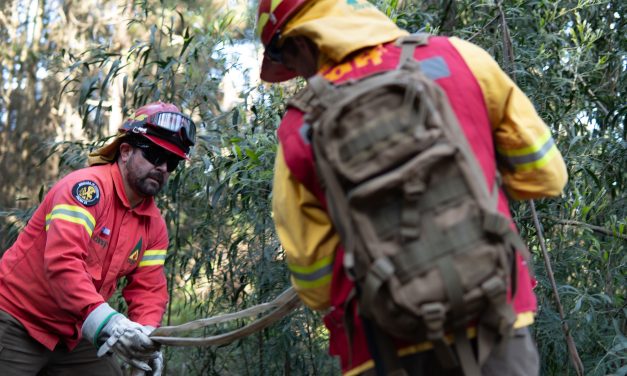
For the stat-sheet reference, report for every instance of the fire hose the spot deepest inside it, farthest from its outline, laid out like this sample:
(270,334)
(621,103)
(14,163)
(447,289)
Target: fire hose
(278,308)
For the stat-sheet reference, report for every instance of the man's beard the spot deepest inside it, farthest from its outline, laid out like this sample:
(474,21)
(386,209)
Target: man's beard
(145,185)
(148,187)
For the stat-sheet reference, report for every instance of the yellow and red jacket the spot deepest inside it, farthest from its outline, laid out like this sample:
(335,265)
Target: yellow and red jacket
(493,113)
(81,239)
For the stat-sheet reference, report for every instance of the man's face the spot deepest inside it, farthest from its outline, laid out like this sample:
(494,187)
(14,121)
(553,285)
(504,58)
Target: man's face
(300,55)
(144,177)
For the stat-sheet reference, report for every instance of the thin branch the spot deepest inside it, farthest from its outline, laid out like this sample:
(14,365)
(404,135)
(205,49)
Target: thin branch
(484,27)
(448,18)
(508,55)
(508,48)
(599,229)
(570,342)
(594,96)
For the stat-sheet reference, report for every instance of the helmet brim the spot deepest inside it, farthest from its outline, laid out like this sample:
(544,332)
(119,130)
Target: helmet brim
(272,71)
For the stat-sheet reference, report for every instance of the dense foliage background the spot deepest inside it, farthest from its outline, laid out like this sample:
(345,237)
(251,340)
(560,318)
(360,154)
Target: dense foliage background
(70,71)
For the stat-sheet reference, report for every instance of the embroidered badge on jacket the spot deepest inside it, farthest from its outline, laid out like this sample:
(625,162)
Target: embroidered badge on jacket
(86,192)
(134,256)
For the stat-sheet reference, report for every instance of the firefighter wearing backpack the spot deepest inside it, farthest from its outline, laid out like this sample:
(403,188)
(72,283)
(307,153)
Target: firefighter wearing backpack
(343,41)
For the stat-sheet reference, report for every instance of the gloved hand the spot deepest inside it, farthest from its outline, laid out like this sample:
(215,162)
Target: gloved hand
(115,333)
(155,363)
(129,341)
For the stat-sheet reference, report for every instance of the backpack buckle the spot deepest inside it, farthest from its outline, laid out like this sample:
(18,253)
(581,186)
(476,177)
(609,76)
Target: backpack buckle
(418,39)
(493,288)
(495,224)
(383,268)
(434,315)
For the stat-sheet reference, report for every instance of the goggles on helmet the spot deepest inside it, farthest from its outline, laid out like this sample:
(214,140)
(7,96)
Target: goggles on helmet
(172,122)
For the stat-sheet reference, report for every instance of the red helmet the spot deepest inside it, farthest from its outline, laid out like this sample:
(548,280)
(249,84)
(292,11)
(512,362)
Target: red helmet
(272,15)
(164,125)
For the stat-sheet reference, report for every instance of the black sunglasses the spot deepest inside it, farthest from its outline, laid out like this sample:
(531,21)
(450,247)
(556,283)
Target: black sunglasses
(273,51)
(157,156)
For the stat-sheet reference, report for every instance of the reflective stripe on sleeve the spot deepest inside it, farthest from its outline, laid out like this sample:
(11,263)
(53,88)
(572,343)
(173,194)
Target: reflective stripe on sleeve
(533,156)
(315,275)
(74,214)
(153,257)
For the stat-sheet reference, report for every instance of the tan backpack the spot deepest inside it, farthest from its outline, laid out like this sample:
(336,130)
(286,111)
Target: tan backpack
(428,250)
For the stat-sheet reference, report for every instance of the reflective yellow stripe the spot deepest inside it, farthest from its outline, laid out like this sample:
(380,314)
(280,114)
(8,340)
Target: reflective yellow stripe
(152,263)
(154,252)
(312,284)
(76,209)
(69,218)
(74,214)
(315,275)
(538,163)
(528,149)
(153,257)
(531,157)
(323,262)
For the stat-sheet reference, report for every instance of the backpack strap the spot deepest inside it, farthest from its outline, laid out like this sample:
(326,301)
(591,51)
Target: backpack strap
(468,362)
(323,90)
(303,100)
(408,44)
(382,350)
(340,219)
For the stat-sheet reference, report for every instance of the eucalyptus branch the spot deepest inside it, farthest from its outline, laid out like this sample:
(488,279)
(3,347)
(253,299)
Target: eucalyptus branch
(599,229)
(484,28)
(448,18)
(570,342)
(508,48)
(593,95)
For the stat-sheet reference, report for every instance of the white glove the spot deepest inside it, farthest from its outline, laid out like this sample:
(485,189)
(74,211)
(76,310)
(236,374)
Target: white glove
(121,336)
(155,363)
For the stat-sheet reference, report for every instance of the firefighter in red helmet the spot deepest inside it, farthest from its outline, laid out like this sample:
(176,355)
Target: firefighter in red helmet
(343,41)
(93,227)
